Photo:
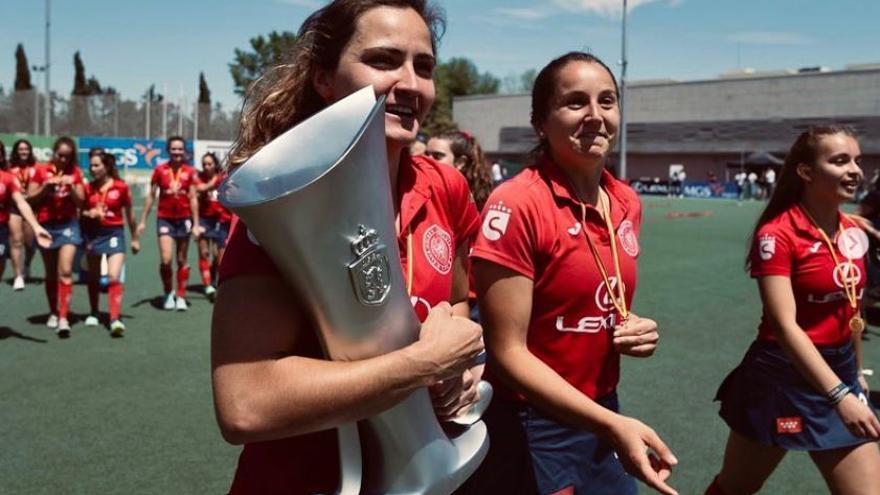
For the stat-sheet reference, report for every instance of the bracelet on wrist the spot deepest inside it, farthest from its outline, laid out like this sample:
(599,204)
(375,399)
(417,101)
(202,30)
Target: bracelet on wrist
(838,393)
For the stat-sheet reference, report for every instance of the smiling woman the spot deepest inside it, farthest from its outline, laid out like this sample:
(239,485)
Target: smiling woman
(273,390)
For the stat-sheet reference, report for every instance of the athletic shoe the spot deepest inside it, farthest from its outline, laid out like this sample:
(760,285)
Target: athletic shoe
(116,328)
(63,330)
(92,321)
(210,292)
(18,283)
(169,302)
(52,322)
(181,304)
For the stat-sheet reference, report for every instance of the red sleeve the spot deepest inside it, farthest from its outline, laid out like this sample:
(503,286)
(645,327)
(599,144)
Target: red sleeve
(78,176)
(126,194)
(772,252)
(466,218)
(38,176)
(14,185)
(507,237)
(154,180)
(244,256)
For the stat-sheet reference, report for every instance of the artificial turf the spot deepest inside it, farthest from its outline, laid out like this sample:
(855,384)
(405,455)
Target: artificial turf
(98,415)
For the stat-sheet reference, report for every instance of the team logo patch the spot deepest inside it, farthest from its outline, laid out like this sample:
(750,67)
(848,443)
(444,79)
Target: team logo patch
(628,240)
(369,272)
(766,247)
(164,229)
(790,425)
(575,229)
(495,223)
(437,245)
(113,194)
(853,242)
(847,272)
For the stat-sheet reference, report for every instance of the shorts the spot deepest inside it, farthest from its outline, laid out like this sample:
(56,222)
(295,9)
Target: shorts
(767,400)
(215,230)
(564,457)
(175,228)
(65,232)
(4,241)
(105,240)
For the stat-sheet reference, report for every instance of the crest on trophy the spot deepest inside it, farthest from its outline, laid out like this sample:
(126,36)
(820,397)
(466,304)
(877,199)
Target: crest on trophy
(370,274)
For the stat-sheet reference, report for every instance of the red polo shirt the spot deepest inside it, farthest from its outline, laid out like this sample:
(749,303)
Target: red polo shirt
(173,202)
(8,185)
(117,197)
(789,245)
(436,207)
(532,225)
(59,205)
(209,203)
(23,173)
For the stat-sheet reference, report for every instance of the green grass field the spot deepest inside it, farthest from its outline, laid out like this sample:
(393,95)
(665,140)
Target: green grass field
(98,415)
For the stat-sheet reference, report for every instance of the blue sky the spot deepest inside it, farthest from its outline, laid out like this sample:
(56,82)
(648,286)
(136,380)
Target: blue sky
(130,44)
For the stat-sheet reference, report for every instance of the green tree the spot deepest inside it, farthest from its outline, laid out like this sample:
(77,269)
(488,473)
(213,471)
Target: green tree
(204,107)
(22,70)
(456,77)
(264,53)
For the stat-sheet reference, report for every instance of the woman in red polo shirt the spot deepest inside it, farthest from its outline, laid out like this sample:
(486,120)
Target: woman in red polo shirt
(273,390)
(21,164)
(56,189)
(178,214)
(799,386)
(107,210)
(214,221)
(555,268)
(12,199)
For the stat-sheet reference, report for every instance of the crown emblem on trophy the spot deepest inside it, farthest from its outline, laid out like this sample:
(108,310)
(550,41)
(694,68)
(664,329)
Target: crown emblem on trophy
(366,240)
(370,272)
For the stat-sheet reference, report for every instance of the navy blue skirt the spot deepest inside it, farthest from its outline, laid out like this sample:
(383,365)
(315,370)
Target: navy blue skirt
(105,240)
(767,400)
(65,232)
(4,241)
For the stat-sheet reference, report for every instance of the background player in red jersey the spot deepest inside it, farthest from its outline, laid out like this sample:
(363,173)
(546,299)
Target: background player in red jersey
(11,195)
(273,389)
(214,221)
(107,209)
(21,164)
(461,150)
(799,387)
(555,266)
(56,189)
(178,212)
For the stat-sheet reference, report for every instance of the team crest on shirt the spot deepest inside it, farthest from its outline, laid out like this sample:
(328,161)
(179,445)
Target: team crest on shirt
(495,223)
(766,247)
(113,194)
(628,240)
(853,242)
(847,272)
(437,245)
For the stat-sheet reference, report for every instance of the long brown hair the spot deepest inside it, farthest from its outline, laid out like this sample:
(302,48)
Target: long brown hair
(790,186)
(108,160)
(285,96)
(15,161)
(475,169)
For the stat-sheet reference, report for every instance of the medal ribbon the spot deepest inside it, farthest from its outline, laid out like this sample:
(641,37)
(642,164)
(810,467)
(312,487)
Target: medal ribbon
(175,179)
(619,300)
(848,287)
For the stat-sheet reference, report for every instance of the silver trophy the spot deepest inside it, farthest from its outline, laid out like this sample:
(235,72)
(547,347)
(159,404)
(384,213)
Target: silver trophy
(318,200)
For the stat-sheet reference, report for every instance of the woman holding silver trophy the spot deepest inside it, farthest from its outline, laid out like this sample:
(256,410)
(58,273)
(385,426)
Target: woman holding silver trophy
(274,390)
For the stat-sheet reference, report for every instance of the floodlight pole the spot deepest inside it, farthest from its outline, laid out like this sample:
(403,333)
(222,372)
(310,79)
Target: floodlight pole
(47,68)
(622,100)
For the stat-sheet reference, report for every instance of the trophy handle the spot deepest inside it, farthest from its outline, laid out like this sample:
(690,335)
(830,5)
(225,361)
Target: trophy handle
(350,466)
(478,408)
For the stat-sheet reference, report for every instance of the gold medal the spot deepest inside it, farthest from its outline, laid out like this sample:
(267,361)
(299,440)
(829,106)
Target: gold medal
(856,325)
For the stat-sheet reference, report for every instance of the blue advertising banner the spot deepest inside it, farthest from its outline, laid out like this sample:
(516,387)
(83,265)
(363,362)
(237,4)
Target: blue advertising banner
(131,154)
(704,189)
